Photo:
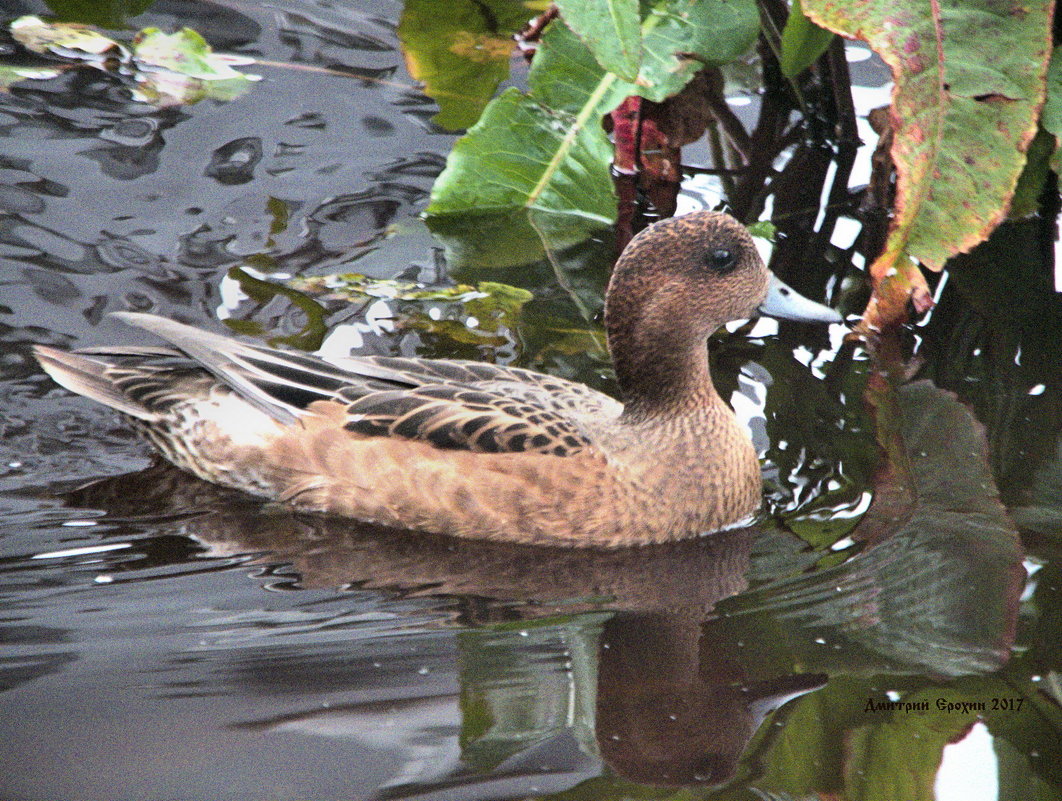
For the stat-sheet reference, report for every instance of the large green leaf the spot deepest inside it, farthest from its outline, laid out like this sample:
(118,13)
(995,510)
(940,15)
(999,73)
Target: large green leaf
(546,150)
(543,150)
(612,31)
(679,37)
(459,50)
(969,86)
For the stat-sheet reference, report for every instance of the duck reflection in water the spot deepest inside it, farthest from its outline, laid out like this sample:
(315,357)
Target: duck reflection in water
(644,690)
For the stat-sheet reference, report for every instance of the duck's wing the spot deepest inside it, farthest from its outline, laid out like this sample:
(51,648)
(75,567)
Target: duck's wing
(467,417)
(563,396)
(449,404)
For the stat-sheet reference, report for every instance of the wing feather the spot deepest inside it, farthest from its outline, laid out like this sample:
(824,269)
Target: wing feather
(450,404)
(456,417)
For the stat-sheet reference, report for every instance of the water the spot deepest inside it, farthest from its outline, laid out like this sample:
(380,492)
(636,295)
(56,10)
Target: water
(167,639)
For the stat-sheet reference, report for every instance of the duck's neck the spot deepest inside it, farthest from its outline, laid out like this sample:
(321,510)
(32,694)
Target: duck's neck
(661,365)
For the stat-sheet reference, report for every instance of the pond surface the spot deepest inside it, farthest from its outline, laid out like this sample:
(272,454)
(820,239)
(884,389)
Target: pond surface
(889,628)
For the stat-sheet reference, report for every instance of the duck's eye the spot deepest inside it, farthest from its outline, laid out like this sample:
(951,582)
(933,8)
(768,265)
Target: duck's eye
(722,260)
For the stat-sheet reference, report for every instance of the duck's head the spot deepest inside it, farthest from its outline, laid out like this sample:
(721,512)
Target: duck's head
(703,270)
(676,283)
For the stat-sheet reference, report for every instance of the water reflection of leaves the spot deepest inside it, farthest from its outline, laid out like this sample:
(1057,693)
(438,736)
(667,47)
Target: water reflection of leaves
(819,464)
(1004,359)
(481,315)
(460,52)
(106,15)
(508,239)
(564,250)
(937,594)
(313,331)
(11,74)
(830,742)
(938,534)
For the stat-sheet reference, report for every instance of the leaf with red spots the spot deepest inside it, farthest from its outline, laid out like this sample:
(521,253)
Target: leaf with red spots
(970,83)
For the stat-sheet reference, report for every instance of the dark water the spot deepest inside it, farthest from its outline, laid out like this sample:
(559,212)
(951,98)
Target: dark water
(163,639)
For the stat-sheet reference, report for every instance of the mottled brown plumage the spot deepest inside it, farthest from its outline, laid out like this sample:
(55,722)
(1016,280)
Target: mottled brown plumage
(469,449)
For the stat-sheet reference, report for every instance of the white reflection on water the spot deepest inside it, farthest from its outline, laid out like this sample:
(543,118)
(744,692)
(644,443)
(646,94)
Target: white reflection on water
(969,769)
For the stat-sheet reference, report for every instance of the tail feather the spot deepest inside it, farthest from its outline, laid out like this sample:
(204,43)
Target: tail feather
(89,377)
(237,365)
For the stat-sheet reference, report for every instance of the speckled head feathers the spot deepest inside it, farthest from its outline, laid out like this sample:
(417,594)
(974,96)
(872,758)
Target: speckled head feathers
(705,262)
(677,282)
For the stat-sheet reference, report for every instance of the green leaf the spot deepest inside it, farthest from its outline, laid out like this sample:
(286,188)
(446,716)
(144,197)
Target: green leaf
(679,37)
(763,229)
(459,50)
(612,31)
(185,52)
(802,42)
(546,150)
(969,87)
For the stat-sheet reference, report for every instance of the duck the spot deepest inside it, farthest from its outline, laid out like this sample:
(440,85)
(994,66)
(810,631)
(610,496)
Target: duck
(473,449)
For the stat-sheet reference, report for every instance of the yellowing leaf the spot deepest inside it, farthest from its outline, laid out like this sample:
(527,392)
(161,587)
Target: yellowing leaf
(64,39)
(969,86)
(185,52)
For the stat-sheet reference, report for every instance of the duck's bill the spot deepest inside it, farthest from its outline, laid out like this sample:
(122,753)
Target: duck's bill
(786,303)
